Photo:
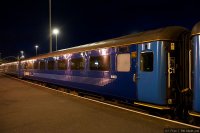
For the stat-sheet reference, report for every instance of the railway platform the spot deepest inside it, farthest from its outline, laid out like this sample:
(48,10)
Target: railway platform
(30,108)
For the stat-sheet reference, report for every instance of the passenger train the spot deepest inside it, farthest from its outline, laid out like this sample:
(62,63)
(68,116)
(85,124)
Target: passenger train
(158,69)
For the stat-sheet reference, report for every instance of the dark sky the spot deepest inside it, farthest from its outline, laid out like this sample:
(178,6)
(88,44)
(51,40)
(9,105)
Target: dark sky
(25,22)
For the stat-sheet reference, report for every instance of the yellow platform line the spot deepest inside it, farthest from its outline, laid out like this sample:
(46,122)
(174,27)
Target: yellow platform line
(115,106)
(152,106)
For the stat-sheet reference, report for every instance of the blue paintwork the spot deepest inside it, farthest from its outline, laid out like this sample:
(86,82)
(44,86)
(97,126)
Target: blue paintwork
(152,85)
(99,82)
(149,88)
(196,73)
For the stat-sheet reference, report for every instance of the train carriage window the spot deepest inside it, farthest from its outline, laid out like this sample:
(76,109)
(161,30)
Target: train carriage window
(30,65)
(101,63)
(35,65)
(77,64)
(123,62)
(25,65)
(51,65)
(146,61)
(62,64)
(123,49)
(42,65)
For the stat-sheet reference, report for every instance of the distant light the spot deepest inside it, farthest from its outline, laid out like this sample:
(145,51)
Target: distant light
(36,46)
(22,52)
(22,57)
(96,63)
(55,31)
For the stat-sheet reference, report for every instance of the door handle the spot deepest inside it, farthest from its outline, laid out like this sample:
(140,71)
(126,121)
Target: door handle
(135,77)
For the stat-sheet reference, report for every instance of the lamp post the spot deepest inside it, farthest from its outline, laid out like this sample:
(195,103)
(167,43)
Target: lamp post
(22,54)
(0,56)
(36,47)
(56,32)
(50,32)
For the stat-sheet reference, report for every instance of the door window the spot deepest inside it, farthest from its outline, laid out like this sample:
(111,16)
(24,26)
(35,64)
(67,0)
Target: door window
(146,61)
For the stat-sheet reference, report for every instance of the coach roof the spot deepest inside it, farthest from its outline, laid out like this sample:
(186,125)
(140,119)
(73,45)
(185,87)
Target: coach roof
(196,29)
(162,34)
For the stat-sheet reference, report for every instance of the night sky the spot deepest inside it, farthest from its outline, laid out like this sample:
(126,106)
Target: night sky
(23,23)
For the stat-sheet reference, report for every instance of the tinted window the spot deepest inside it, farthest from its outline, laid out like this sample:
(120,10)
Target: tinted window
(30,65)
(51,65)
(25,65)
(146,61)
(42,65)
(101,63)
(62,64)
(77,64)
(12,67)
(35,65)
(124,49)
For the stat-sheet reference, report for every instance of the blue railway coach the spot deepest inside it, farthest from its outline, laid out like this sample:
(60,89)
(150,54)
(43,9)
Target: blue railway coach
(148,68)
(196,70)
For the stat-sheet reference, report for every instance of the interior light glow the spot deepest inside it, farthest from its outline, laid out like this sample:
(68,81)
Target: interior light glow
(66,56)
(103,51)
(96,63)
(55,58)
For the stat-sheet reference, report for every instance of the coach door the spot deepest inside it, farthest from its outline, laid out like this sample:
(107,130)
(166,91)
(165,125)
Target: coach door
(150,77)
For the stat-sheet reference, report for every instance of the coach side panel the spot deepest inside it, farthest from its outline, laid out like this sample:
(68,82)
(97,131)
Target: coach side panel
(196,73)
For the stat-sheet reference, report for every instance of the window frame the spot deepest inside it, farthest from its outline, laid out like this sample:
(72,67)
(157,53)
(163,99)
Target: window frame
(109,62)
(44,67)
(142,64)
(51,66)
(80,68)
(30,65)
(129,62)
(35,65)
(66,64)
(123,49)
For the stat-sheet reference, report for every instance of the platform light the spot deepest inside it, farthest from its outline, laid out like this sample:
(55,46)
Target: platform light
(22,57)
(56,32)
(22,54)
(36,47)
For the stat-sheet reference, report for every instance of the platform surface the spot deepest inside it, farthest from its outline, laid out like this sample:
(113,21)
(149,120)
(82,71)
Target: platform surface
(26,108)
